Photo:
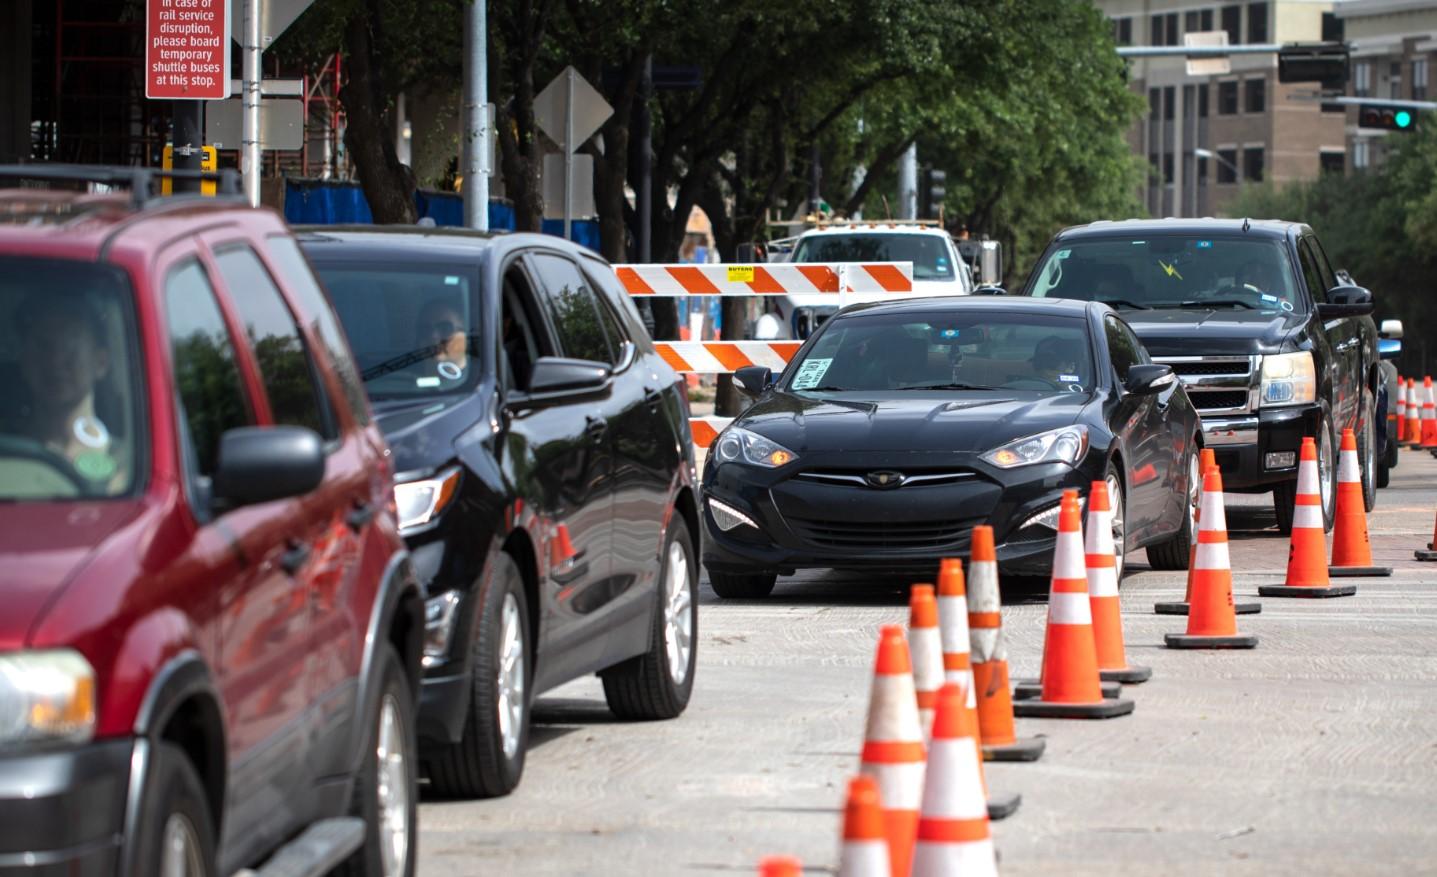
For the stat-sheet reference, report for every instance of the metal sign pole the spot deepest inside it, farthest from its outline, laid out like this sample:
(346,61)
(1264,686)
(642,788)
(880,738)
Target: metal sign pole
(476,133)
(249,137)
(568,149)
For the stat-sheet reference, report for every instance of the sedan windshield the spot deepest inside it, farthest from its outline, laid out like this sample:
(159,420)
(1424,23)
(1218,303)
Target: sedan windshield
(928,253)
(1171,271)
(69,394)
(942,352)
(414,328)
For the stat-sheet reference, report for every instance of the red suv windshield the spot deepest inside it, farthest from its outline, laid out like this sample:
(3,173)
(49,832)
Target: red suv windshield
(69,424)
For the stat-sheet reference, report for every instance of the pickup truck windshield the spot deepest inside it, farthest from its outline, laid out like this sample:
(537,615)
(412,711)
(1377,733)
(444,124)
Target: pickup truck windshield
(1171,271)
(930,255)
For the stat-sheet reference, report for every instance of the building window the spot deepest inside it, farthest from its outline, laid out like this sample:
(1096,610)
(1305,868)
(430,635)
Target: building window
(1171,22)
(1123,31)
(1360,155)
(1257,22)
(1227,165)
(1332,161)
(1168,168)
(1362,79)
(1252,158)
(1232,23)
(1256,96)
(1165,30)
(1197,20)
(1202,101)
(1202,164)
(1227,98)
(1206,19)
(1155,103)
(1170,101)
(1394,87)
(1419,79)
(1332,29)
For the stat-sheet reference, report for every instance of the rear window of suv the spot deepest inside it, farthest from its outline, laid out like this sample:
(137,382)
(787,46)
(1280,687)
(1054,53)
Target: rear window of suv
(1171,271)
(70,426)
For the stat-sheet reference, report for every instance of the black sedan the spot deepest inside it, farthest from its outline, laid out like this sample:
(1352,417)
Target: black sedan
(900,426)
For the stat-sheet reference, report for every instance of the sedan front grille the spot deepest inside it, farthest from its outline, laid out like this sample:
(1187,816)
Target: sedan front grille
(912,477)
(886,535)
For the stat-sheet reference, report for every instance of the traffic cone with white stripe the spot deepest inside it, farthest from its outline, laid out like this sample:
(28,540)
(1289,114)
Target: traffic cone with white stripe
(1207,459)
(953,832)
(1102,566)
(1351,548)
(926,648)
(893,752)
(1414,414)
(1071,688)
(865,848)
(1212,623)
(1401,408)
(990,656)
(1429,416)
(1307,551)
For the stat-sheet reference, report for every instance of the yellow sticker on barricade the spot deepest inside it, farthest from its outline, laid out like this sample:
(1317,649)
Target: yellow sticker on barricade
(740,274)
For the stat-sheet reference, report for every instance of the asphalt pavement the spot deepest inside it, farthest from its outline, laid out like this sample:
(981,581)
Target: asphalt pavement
(1315,753)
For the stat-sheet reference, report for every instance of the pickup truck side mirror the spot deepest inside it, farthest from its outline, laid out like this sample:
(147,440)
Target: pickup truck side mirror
(1346,301)
(1145,380)
(754,379)
(265,463)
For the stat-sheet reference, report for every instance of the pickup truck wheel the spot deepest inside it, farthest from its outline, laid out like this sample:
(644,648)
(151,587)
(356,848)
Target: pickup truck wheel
(179,836)
(488,760)
(657,684)
(1173,553)
(742,586)
(1284,495)
(386,792)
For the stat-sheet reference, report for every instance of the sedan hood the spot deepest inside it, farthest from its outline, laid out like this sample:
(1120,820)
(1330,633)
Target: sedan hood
(42,547)
(1219,332)
(964,421)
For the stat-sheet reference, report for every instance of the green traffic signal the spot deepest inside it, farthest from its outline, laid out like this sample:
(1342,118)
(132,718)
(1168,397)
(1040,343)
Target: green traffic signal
(1403,119)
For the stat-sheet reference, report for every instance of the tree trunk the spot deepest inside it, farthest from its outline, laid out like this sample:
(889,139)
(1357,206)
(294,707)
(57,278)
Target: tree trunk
(388,185)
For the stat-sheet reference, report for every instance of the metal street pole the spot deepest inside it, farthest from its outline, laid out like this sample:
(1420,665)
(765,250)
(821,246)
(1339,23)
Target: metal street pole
(187,141)
(476,117)
(249,134)
(568,149)
(908,183)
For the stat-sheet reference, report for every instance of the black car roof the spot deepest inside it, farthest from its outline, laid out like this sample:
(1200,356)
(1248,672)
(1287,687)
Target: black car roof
(1273,229)
(1045,306)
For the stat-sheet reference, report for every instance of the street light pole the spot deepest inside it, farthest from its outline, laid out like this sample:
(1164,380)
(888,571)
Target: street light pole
(1208,153)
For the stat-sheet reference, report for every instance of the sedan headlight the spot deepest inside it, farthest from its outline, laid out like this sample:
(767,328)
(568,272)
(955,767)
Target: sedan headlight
(738,445)
(1066,445)
(1288,379)
(46,696)
(422,501)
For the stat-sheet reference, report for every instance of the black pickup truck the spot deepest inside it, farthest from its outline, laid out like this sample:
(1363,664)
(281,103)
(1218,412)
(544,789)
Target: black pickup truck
(1270,343)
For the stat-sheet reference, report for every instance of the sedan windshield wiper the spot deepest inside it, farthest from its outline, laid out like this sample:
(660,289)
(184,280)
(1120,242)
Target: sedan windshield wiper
(1217,303)
(948,386)
(1124,303)
(831,388)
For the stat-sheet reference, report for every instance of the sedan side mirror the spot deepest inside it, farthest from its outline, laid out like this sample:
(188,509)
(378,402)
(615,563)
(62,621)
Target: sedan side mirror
(1346,301)
(556,374)
(1145,380)
(1390,329)
(754,379)
(265,463)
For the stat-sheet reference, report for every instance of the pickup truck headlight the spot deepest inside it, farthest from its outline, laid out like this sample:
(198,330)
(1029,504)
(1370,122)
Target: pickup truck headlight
(46,697)
(419,502)
(1066,445)
(738,445)
(1288,379)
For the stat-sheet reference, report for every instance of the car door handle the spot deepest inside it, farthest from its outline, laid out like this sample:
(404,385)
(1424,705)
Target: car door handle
(359,516)
(294,557)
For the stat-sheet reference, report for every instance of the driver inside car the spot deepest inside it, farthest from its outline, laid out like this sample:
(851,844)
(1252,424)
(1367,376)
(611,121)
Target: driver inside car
(1055,360)
(1255,276)
(441,328)
(64,356)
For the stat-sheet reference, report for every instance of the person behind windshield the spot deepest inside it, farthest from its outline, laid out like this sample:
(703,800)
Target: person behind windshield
(1055,360)
(1255,276)
(64,355)
(441,327)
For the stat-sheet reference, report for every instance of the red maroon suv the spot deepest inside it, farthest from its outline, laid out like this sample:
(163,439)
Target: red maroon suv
(210,636)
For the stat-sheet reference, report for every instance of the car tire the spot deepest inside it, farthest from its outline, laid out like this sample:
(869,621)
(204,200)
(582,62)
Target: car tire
(1367,452)
(175,810)
(1175,552)
(658,683)
(487,762)
(386,792)
(742,586)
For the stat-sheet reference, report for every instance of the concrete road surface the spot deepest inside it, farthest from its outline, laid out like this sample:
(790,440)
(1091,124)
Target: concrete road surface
(1315,753)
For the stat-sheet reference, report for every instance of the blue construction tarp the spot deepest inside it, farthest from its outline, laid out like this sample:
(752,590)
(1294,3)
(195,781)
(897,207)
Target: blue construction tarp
(335,202)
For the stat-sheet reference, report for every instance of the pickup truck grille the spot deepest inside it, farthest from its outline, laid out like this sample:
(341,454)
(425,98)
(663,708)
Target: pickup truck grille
(1217,384)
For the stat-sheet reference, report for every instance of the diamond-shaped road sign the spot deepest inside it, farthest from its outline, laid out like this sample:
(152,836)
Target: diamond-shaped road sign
(589,108)
(274,17)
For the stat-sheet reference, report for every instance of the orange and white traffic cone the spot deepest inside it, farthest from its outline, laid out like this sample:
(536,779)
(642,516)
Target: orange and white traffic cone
(1431,552)
(865,848)
(1351,549)
(953,833)
(1071,688)
(1414,414)
(1429,415)
(1102,567)
(1307,552)
(893,752)
(1207,460)
(990,656)
(780,866)
(926,648)
(1401,408)
(1212,623)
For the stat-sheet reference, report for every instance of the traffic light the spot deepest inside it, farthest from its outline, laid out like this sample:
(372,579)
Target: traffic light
(1387,118)
(1323,63)
(931,193)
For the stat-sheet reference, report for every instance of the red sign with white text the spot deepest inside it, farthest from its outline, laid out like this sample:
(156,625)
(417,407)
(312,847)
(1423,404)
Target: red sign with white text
(187,49)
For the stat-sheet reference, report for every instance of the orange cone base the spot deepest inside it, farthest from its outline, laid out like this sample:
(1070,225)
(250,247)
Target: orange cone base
(1003,806)
(1129,675)
(1349,572)
(1027,749)
(1027,689)
(1104,709)
(1184,641)
(1180,608)
(1306,591)
(1425,555)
